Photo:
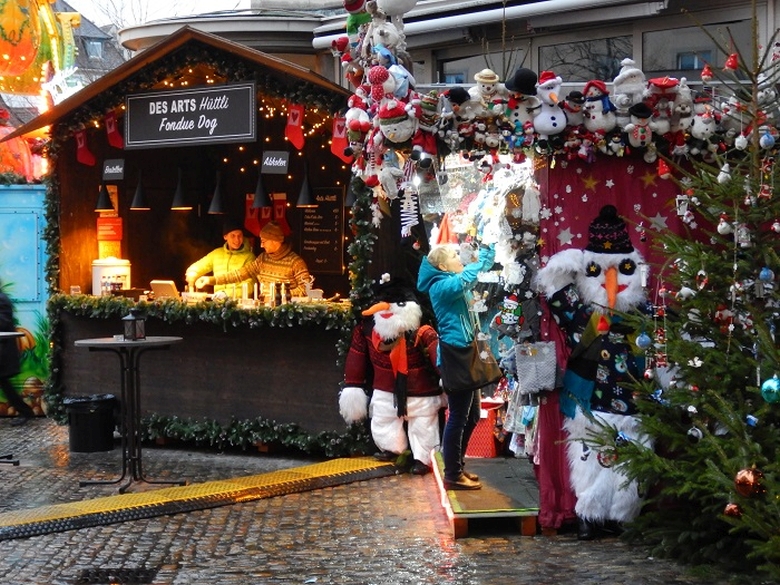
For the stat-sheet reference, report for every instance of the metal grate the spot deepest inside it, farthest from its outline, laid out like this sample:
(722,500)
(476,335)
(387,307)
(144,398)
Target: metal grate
(116,576)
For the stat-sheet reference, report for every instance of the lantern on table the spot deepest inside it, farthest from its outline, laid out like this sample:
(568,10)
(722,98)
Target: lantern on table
(135,325)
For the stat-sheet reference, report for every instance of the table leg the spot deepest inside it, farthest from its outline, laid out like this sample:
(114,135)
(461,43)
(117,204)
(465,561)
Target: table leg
(123,421)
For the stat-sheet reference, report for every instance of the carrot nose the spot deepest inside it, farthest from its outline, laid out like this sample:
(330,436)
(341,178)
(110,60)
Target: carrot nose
(611,286)
(373,309)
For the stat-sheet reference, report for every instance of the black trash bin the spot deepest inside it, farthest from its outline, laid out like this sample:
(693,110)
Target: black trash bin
(91,421)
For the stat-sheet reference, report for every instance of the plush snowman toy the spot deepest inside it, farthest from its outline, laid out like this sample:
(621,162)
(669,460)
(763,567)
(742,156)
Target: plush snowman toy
(391,348)
(586,292)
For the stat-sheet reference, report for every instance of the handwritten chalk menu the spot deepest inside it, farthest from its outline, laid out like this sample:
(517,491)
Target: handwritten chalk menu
(322,232)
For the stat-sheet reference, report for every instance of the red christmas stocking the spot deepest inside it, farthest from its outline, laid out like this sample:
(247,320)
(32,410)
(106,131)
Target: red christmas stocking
(251,217)
(280,215)
(114,137)
(83,155)
(294,129)
(339,142)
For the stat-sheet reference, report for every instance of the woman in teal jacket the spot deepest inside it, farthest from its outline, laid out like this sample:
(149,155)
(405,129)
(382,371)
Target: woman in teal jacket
(448,283)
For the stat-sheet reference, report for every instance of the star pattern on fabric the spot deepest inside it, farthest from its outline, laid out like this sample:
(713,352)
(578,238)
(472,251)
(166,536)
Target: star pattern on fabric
(590,182)
(565,237)
(609,183)
(658,222)
(545,213)
(648,179)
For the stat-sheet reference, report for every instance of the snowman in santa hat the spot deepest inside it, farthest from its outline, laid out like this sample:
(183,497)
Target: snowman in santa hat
(393,351)
(587,291)
(551,119)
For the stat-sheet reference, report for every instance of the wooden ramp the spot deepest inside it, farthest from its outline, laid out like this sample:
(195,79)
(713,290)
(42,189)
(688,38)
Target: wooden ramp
(509,490)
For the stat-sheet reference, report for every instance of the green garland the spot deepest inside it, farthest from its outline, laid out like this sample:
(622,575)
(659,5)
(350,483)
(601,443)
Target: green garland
(228,314)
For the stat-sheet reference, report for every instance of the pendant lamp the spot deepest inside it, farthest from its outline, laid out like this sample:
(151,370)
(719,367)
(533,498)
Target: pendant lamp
(139,200)
(305,197)
(179,202)
(104,200)
(217,207)
(261,197)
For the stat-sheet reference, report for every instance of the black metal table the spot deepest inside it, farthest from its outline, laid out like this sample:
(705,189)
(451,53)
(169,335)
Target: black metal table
(129,353)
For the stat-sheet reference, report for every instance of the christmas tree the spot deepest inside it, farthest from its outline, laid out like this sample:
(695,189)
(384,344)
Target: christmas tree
(710,396)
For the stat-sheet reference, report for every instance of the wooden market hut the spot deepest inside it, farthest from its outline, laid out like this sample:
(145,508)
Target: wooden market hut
(272,364)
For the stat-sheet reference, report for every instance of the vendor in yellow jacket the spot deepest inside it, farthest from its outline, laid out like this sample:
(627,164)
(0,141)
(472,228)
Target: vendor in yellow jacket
(235,253)
(277,263)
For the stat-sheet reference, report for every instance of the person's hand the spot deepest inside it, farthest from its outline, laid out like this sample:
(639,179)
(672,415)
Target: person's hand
(204,281)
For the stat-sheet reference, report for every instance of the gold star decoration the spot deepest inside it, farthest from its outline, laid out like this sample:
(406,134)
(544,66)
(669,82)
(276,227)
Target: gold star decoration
(648,179)
(590,182)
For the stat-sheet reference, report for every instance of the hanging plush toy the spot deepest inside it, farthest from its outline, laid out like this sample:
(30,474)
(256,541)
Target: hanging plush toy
(586,292)
(392,349)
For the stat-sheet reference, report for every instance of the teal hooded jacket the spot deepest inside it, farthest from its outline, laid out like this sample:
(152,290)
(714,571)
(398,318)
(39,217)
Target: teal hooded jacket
(450,296)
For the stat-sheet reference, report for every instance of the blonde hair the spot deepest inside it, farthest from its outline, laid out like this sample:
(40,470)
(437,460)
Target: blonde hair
(438,255)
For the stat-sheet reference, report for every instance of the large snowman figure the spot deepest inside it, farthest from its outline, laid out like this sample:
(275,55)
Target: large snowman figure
(393,351)
(586,291)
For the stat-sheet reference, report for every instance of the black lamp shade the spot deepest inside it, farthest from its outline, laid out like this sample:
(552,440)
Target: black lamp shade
(104,200)
(179,201)
(217,206)
(305,197)
(139,199)
(261,197)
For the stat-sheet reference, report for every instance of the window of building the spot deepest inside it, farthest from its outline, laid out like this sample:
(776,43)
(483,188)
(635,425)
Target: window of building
(584,60)
(683,52)
(462,70)
(94,49)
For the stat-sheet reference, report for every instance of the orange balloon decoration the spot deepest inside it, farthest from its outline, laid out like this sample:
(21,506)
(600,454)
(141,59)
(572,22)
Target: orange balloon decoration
(20,32)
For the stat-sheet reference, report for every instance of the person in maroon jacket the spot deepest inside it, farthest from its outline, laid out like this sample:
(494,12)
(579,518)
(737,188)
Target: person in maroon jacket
(393,358)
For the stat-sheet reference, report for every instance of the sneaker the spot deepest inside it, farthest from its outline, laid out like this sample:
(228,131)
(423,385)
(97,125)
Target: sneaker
(462,483)
(419,468)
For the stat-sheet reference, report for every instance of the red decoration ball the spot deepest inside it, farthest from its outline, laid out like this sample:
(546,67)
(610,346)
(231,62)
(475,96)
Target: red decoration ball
(732,510)
(748,482)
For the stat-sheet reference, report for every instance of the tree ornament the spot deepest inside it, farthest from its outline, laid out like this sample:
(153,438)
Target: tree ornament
(643,341)
(725,174)
(766,141)
(776,226)
(733,510)
(20,38)
(664,172)
(766,275)
(724,225)
(695,435)
(747,482)
(706,74)
(732,62)
(770,390)
(741,142)
(607,457)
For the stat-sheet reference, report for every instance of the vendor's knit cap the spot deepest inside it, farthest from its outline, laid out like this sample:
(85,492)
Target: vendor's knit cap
(272,231)
(231,225)
(608,233)
(523,81)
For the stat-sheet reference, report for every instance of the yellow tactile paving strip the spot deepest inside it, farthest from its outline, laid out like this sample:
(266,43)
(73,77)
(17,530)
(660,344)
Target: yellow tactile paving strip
(169,500)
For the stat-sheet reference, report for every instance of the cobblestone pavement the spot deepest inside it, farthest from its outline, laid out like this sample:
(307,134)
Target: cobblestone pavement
(387,531)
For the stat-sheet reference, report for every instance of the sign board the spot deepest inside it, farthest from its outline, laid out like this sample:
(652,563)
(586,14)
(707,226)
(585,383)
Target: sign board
(207,115)
(109,229)
(275,162)
(322,232)
(114,169)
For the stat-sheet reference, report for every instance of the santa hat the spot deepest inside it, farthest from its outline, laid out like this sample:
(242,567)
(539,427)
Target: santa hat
(628,69)
(596,84)
(523,81)
(546,76)
(608,233)
(392,111)
(353,6)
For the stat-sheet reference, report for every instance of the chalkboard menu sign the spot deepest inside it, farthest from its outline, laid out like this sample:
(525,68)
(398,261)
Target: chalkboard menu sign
(322,232)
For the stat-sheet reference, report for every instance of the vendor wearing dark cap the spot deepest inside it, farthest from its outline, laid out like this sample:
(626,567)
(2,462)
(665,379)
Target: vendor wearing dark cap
(234,254)
(276,263)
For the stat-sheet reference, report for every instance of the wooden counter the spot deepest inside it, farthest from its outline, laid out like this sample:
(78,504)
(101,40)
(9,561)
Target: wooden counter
(278,364)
